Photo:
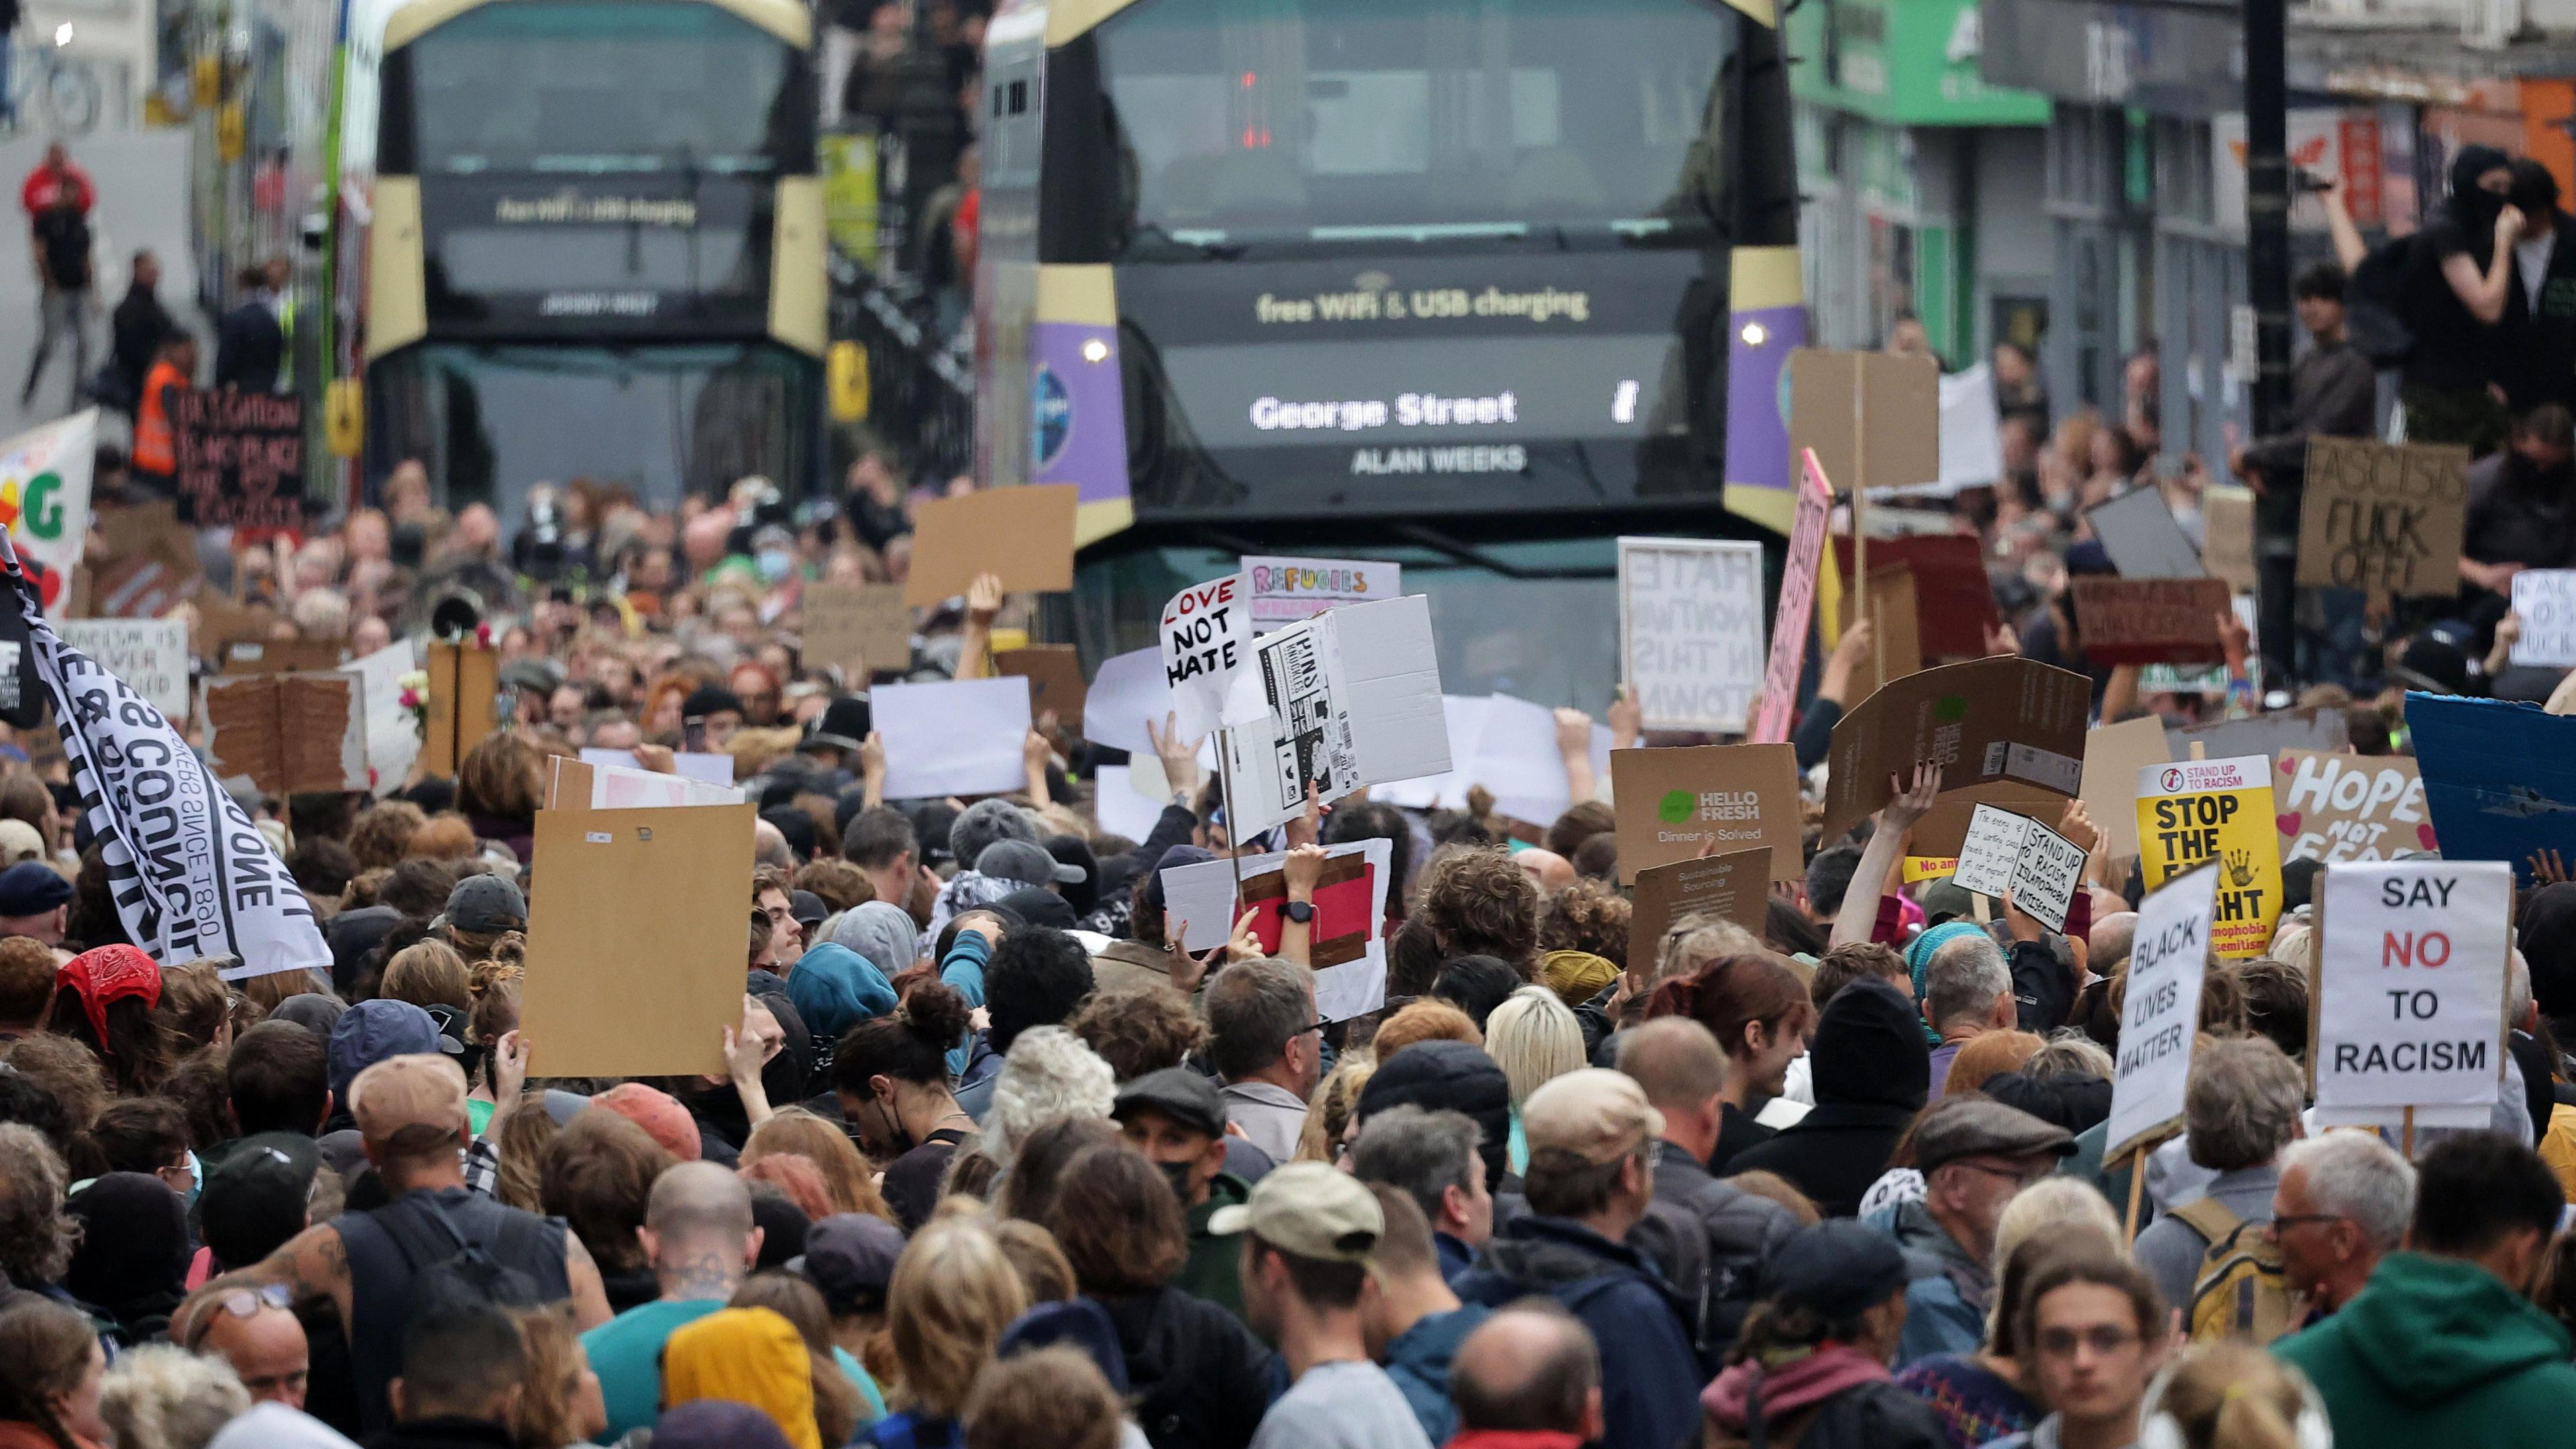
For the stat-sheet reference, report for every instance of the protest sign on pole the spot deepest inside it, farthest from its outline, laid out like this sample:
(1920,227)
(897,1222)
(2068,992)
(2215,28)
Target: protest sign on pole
(2338,808)
(2544,606)
(1690,630)
(2161,1014)
(2386,517)
(2411,962)
(1796,616)
(149,654)
(241,457)
(1678,803)
(1206,637)
(2219,811)
(1281,591)
(45,500)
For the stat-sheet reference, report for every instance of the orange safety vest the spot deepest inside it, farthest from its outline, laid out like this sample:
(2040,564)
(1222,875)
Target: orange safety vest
(154,451)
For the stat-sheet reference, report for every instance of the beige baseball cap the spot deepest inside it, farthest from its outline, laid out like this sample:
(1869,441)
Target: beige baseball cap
(410,1103)
(1310,1209)
(19,842)
(1599,1114)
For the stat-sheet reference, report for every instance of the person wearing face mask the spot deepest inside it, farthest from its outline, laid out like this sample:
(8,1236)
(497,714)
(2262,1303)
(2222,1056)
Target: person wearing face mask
(2455,295)
(1177,1119)
(2521,510)
(2538,361)
(891,1076)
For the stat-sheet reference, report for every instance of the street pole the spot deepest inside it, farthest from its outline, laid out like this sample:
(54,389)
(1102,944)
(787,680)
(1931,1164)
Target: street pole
(2267,258)
(927,126)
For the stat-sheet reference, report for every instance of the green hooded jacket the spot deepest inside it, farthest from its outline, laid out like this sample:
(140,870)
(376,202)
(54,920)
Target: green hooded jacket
(2438,1352)
(1213,1270)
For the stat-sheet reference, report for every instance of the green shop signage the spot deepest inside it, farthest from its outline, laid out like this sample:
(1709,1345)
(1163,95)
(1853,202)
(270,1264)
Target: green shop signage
(1904,62)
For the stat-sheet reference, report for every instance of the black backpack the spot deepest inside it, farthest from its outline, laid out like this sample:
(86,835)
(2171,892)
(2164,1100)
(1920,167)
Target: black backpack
(447,1270)
(2375,301)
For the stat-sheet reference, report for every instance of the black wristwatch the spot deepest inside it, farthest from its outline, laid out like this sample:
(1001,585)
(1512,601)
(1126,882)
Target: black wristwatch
(1302,912)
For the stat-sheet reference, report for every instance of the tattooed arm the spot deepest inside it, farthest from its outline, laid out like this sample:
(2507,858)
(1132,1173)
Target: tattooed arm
(312,1265)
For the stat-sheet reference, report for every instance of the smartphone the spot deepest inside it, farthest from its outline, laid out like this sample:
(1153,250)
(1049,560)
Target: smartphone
(693,734)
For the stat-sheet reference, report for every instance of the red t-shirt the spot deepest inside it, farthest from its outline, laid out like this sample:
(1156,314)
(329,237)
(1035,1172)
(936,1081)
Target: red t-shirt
(46,186)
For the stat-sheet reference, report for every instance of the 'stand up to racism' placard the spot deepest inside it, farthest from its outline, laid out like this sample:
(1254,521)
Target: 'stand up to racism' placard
(2411,969)
(2196,811)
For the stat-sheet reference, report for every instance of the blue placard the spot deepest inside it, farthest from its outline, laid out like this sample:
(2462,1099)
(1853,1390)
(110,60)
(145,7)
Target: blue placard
(2499,777)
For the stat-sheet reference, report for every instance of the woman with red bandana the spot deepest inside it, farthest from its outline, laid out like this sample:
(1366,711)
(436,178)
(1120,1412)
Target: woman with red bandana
(103,999)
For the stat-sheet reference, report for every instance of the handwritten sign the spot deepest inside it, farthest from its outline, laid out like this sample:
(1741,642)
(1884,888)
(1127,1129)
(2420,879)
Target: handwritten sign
(1285,590)
(2336,807)
(150,655)
(2196,811)
(2544,603)
(1207,636)
(1690,630)
(2410,984)
(863,628)
(2160,1016)
(1788,656)
(2008,853)
(2382,516)
(241,458)
(2150,621)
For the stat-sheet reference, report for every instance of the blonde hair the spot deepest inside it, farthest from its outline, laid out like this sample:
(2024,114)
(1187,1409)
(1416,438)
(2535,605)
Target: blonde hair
(847,1180)
(162,1397)
(953,1293)
(1329,1111)
(2231,1396)
(2047,1209)
(1534,1037)
(428,973)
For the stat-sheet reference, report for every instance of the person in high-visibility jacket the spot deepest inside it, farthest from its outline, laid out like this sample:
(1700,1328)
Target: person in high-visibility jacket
(156,449)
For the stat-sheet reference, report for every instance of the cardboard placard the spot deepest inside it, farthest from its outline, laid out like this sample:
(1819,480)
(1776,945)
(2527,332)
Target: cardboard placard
(1795,618)
(863,628)
(2008,727)
(2338,808)
(953,737)
(1022,534)
(1872,419)
(2150,621)
(2196,811)
(1282,591)
(1346,699)
(2411,959)
(1671,802)
(2113,755)
(1896,643)
(2318,727)
(2227,536)
(289,733)
(150,568)
(464,689)
(2499,778)
(222,623)
(1205,634)
(2160,1017)
(2386,517)
(2013,854)
(635,940)
(1954,601)
(150,655)
(1731,887)
(281,656)
(2544,605)
(1054,673)
(2138,531)
(241,457)
(1690,630)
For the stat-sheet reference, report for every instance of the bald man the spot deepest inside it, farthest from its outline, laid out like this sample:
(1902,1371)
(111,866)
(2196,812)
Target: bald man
(700,1240)
(262,1341)
(1530,1378)
(1547,870)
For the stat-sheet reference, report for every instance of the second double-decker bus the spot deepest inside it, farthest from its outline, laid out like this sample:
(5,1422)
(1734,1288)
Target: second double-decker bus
(1474,285)
(593,245)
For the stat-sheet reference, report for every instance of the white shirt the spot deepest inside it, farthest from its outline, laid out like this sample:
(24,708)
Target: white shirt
(2531,261)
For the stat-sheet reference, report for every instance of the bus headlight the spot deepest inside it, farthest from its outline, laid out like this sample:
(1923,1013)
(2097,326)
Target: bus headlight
(1095,350)
(1755,334)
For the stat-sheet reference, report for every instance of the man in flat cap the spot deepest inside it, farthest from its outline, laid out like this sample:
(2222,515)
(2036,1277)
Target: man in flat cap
(1975,1155)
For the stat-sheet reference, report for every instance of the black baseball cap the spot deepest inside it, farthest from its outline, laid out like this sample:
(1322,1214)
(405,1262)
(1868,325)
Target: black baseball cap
(1178,1093)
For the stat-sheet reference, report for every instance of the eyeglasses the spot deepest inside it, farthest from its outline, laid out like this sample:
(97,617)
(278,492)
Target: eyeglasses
(2291,1220)
(2019,1179)
(2104,1341)
(240,1303)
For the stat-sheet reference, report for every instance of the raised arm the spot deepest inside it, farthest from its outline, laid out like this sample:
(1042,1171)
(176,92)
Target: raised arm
(1857,921)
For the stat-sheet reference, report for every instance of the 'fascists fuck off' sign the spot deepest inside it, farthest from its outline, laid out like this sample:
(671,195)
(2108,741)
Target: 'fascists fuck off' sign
(2385,517)
(2410,985)
(241,458)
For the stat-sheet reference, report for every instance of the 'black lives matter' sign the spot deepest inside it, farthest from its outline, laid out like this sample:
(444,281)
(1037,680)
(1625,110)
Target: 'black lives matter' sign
(2383,517)
(241,458)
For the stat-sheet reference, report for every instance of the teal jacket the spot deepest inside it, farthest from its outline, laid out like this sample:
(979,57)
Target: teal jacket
(2437,1352)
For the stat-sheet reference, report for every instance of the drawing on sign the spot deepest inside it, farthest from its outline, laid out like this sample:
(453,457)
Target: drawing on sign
(2338,808)
(2383,516)
(1285,590)
(1690,630)
(2160,1017)
(2544,605)
(2196,811)
(2411,966)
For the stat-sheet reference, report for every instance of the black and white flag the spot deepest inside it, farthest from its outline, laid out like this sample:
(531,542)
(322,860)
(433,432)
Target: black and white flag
(192,877)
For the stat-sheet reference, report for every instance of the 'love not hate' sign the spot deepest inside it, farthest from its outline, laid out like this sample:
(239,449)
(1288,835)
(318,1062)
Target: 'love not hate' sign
(1207,636)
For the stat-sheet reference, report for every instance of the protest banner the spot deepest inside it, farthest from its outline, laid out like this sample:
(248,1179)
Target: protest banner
(1348,698)
(150,655)
(2113,755)
(863,628)
(1731,887)
(464,690)
(2318,727)
(1021,534)
(1928,867)
(45,500)
(1206,636)
(1054,673)
(1281,591)
(191,877)
(2150,621)
(288,734)
(2160,1016)
(2007,731)
(1346,943)
(2386,517)
(2411,959)
(2499,778)
(150,566)
(2138,531)
(953,737)
(1795,618)
(635,940)
(2013,854)
(2227,536)
(1690,630)
(2338,808)
(2195,811)
(241,458)
(1674,804)
(2544,606)
(1513,752)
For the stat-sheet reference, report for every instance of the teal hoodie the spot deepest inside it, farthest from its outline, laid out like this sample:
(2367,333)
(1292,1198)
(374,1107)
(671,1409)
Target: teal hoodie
(2438,1352)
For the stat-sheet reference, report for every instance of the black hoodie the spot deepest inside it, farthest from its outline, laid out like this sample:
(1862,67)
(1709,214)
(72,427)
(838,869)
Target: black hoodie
(1872,1072)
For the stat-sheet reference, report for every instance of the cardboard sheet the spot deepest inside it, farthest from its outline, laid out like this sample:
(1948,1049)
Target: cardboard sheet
(1873,419)
(1024,534)
(1348,698)
(2113,755)
(2340,807)
(2227,536)
(2383,516)
(2008,722)
(860,627)
(464,684)
(2151,620)
(1054,673)
(953,737)
(289,733)
(1732,887)
(635,940)
(1671,801)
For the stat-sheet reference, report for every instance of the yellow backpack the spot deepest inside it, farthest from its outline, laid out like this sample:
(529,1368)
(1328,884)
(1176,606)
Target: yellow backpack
(2241,1292)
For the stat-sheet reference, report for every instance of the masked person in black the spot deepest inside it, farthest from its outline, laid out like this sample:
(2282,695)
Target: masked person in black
(2537,360)
(2521,514)
(2455,294)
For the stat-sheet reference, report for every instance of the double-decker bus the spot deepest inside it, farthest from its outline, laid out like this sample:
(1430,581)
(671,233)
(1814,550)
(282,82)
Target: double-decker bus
(585,239)
(1473,285)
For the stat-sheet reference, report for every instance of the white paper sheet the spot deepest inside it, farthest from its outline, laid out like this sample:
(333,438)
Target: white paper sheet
(953,737)
(1128,690)
(1117,805)
(707,768)
(1201,897)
